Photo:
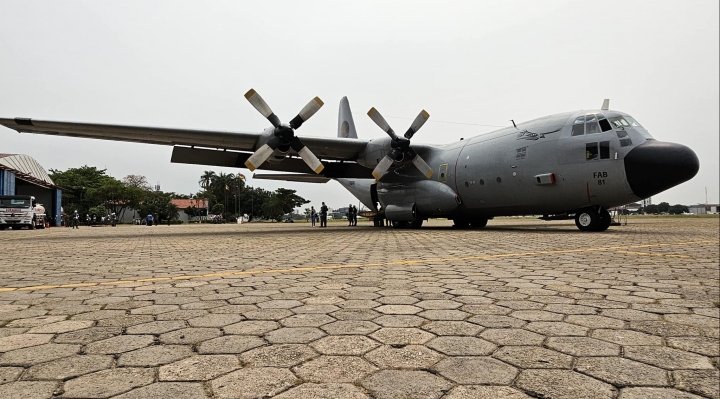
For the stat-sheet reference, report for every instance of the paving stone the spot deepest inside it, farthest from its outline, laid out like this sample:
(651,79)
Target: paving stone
(665,329)
(156,327)
(253,383)
(701,345)
(693,320)
(396,384)
(284,355)
(401,336)
(10,374)
(154,355)
(20,341)
(476,370)
(251,327)
(626,337)
(294,335)
(594,321)
(167,390)
(107,383)
(400,321)
(512,336)
(230,344)
(280,304)
(350,327)
(324,391)
(61,327)
(629,314)
(494,321)
(356,314)
(340,369)
(451,328)
(63,369)
(485,392)
(88,335)
(268,314)
(125,321)
(199,368)
(405,357)
(536,315)
(189,336)
(462,346)
(306,320)
(563,384)
(655,393)
(667,358)
(38,354)
(28,390)
(215,320)
(701,382)
(583,346)
(6,332)
(35,321)
(119,344)
(556,328)
(533,357)
(344,345)
(398,309)
(622,372)
(456,315)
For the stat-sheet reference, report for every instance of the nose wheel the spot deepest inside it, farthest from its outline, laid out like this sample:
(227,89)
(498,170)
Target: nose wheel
(589,219)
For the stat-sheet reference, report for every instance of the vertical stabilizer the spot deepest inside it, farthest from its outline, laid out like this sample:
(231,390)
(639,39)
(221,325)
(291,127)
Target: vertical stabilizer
(346,125)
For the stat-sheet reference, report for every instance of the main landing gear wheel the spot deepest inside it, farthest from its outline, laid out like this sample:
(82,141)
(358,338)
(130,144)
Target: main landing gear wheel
(605,220)
(399,225)
(460,223)
(479,223)
(416,224)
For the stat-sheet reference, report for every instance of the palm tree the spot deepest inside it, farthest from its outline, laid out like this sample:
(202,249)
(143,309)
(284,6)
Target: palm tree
(206,179)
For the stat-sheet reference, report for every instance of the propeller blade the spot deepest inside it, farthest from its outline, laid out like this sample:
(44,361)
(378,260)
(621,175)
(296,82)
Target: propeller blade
(309,110)
(381,122)
(262,154)
(422,166)
(417,124)
(254,98)
(310,159)
(382,167)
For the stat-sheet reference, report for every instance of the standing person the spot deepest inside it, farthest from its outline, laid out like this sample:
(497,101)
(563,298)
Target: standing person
(155,219)
(76,220)
(323,215)
(313,215)
(349,215)
(354,215)
(149,219)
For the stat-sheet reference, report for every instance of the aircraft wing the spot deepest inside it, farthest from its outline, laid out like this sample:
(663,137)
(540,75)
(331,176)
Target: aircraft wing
(298,177)
(325,148)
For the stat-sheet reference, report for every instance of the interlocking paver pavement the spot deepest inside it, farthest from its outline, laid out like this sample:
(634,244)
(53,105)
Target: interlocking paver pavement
(520,309)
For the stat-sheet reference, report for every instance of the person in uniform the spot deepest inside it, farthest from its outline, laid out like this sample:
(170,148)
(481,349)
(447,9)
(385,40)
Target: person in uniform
(149,219)
(323,215)
(313,215)
(76,220)
(349,215)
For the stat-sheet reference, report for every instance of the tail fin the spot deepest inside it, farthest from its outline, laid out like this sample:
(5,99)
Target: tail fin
(346,125)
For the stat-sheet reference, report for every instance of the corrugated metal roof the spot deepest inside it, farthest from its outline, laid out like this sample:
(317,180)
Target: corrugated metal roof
(26,168)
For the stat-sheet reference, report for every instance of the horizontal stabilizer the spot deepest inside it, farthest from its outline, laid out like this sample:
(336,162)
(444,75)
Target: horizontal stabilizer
(299,177)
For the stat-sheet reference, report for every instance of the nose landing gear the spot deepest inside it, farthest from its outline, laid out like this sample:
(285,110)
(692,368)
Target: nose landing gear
(590,219)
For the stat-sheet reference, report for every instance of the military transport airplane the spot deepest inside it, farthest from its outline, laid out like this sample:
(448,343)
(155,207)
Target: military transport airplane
(570,165)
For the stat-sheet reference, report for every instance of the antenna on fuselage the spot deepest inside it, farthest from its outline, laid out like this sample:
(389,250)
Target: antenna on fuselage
(513,121)
(606,104)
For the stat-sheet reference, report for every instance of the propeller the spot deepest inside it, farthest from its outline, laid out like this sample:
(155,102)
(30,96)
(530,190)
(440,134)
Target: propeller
(283,135)
(401,150)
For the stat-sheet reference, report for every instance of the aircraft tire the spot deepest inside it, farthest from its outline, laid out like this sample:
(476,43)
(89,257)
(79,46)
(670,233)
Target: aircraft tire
(587,220)
(460,223)
(399,225)
(605,220)
(416,224)
(479,223)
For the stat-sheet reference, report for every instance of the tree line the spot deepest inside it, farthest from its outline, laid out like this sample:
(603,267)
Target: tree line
(664,207)
(92,191)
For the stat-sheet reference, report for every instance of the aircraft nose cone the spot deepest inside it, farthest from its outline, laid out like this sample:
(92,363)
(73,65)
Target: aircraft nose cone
(655,166)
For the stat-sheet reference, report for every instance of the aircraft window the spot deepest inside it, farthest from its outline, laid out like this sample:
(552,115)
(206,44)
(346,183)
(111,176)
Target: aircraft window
(619,122)
(591,124)
(591,151)
(578,128)
(604,150)
(621,133)
(632,121)
(481,182)
(604,124)
(499,180)
(625,142)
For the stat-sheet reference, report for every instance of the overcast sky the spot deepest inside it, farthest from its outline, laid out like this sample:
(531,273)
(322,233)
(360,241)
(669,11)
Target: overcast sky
(188,64)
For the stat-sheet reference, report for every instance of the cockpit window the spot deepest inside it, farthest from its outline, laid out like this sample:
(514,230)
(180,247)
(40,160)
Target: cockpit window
(632,121)
(578,128)
(591,124)
(604,124)
(619,122)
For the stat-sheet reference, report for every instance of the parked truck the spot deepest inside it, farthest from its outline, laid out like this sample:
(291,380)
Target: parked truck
(18,211)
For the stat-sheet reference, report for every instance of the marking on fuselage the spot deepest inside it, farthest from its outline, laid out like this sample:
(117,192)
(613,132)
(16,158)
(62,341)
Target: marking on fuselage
(617,249)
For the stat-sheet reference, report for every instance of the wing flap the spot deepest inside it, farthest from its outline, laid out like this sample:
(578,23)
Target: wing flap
(298,177)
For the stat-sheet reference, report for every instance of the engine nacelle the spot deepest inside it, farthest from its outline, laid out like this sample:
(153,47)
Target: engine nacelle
(401,213)
(429,197)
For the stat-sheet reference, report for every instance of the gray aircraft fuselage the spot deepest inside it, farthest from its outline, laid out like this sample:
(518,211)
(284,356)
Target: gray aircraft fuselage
(552,165)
